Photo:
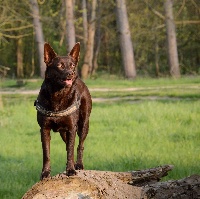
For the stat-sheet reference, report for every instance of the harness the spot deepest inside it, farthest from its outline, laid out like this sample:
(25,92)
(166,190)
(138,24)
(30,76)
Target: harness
(75,106)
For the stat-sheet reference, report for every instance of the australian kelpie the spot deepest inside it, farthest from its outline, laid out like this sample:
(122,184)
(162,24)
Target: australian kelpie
(63,105)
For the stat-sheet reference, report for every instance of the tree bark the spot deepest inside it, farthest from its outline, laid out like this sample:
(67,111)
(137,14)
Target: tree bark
(38,35)
(175,189)
(125,40)
(171,39)
(71,37)
(20,71)
(87,66)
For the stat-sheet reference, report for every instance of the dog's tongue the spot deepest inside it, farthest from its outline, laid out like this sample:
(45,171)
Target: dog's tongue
(68,82)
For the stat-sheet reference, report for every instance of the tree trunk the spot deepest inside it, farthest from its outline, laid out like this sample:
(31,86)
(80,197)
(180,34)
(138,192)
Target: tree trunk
(20,71)
(39,35)
(87,66)
(63,22)
(85,23)
(171,39)
(125,40)
(71,37)
(157,57)
(97,39)
(32,60)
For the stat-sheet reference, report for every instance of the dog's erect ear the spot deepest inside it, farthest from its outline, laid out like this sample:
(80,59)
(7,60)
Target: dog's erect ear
(75,52)
(49,53)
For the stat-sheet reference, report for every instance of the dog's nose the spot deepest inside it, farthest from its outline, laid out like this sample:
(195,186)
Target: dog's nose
(69,73)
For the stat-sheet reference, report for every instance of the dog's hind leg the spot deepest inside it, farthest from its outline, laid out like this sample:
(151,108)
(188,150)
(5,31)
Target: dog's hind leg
(82,133)
(45,138)
(63,136)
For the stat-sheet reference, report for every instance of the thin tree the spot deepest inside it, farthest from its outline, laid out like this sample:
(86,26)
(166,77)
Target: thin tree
(125,40)
(20,71)
(38,34)
(171,39)
(71,37)
(97,39)
(85,22)
(87,66)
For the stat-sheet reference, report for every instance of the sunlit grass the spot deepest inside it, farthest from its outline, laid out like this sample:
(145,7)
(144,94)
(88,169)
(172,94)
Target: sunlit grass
(108,81)
(144,135)
(175,92)
(123,136)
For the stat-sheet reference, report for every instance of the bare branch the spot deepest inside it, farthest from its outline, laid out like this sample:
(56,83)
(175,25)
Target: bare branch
(155,11)
(180,23)
(195,4)
(181,8)
(14,36)
(187,22)
(18,28)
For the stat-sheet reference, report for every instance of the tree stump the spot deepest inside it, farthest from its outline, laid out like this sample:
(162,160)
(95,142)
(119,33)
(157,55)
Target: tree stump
(142,184)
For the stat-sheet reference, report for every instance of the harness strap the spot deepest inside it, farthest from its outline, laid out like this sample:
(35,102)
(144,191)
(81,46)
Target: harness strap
(75,106)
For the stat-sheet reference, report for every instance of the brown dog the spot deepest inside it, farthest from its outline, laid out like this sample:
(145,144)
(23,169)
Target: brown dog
(63,105)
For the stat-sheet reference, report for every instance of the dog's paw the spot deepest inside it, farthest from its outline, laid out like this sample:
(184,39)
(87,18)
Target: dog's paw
(79,166)
(45,174)
(70,172)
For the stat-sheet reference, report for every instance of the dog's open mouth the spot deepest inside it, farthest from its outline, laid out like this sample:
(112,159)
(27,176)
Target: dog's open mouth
(68,82)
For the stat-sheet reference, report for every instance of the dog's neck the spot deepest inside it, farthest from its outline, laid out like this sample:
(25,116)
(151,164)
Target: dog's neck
(61,98)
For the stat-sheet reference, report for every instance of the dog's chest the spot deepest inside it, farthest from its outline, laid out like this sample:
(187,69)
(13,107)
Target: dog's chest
(61,100)
(62,123)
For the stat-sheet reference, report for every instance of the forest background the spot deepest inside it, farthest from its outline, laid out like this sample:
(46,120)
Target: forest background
(159,117)
(100,25)
(25,25)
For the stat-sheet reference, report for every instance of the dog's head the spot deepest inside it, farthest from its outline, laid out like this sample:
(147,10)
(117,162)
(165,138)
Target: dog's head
(61,70)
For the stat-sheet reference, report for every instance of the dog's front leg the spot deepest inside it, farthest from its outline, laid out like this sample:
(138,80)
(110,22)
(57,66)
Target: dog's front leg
(70,141)
(45,138)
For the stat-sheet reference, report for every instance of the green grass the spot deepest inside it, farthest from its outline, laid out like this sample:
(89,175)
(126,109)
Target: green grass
(141,82)
(173,92)
(109,82)
(124,135)
(29,84)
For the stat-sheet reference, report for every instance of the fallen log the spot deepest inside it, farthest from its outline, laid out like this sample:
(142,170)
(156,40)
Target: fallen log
(141,184)
(149,176)
(187,188)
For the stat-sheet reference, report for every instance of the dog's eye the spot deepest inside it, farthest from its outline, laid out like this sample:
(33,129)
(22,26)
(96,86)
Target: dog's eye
(72,66)
(61,66)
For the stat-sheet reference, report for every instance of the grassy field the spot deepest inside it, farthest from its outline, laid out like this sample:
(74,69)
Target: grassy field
(124,135)
(110,82)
